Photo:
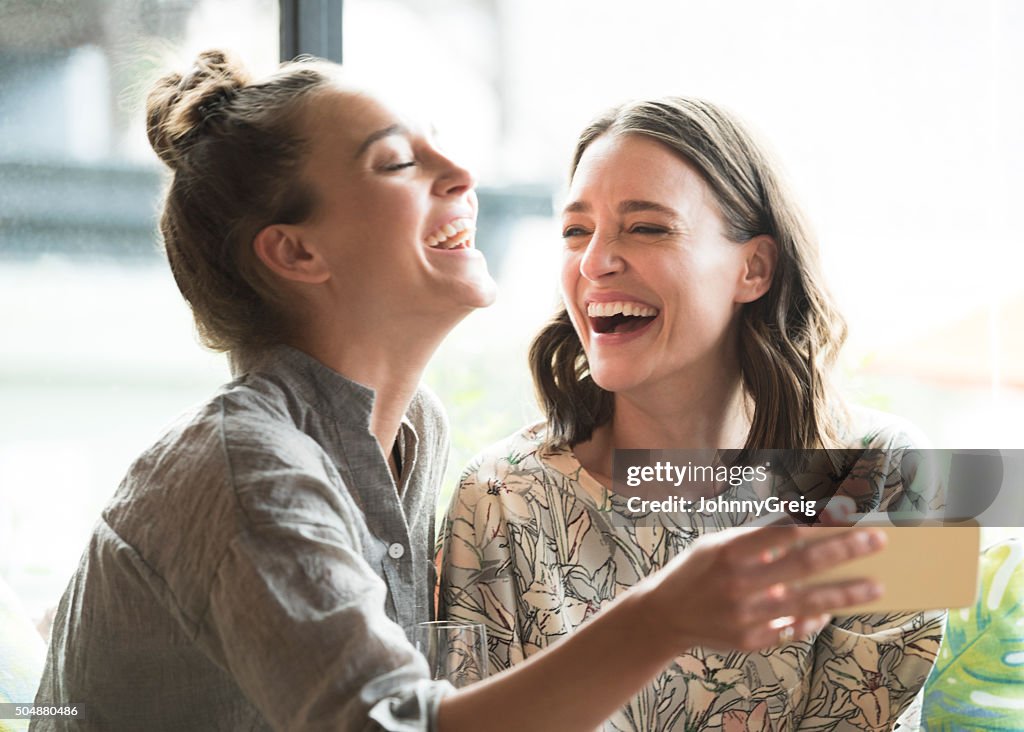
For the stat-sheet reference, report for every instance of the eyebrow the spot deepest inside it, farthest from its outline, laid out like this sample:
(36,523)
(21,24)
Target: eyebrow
(380,135)
(629,206)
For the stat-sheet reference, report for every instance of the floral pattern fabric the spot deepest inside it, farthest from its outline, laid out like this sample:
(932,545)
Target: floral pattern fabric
(533,546)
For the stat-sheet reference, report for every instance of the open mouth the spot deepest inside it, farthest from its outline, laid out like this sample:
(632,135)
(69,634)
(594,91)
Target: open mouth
(457,234)
(619,317)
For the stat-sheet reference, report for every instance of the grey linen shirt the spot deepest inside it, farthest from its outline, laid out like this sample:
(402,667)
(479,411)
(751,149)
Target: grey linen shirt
(258,568)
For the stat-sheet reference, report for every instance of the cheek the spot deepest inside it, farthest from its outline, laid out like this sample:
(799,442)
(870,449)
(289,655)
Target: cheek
(692,296)
(570,275)
(709,279)
(401,220)
(387,224)
(569,282)
(384,207)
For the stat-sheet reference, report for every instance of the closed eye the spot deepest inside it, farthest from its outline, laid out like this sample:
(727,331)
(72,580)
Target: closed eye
(398,166)
(651,230)
(573,231)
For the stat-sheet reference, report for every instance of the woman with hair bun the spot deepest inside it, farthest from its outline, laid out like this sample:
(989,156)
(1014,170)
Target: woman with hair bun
(263,563)
(694,317)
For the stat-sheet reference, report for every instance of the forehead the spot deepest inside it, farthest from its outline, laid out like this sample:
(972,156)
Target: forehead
(340,118)
(634,166)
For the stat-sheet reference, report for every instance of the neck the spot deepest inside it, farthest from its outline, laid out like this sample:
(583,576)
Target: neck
(714,414)
(717,420)
(389,360)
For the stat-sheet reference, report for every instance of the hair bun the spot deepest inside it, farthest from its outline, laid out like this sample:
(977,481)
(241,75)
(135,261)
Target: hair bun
(178,106)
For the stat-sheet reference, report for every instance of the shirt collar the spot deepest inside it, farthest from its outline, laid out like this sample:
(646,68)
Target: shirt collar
(320,387)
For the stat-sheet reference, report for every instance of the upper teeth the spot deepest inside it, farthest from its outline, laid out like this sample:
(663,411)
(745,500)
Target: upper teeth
(608,309)
(447,236)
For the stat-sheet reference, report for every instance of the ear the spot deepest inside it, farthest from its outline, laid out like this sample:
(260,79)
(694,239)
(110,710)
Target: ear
(284,253)
(760,257)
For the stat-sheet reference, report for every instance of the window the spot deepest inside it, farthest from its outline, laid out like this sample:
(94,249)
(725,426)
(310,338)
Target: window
(98,353)
(896,122)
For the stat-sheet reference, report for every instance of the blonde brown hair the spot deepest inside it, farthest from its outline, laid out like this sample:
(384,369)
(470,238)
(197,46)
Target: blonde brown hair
(234,147)
(789,337)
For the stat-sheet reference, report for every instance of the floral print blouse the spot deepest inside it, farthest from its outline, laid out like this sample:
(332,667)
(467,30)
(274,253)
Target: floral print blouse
(531,548)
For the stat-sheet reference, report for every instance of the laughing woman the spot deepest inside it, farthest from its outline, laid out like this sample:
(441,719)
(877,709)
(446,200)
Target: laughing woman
(264,562)
(694,317)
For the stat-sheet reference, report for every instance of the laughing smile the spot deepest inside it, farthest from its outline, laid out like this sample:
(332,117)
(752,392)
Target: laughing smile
(619,316)
(457,234)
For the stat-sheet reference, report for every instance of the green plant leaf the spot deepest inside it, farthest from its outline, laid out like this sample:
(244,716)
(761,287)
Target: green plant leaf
(978,679)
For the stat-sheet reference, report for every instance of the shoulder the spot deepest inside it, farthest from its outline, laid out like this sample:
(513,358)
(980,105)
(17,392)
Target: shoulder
(212,460)
(237,466)
(522,466)
(260,425)
(895,463)
(427,415)
(426,405)
(249,429)
(504,485)
(868,428)
(522,453)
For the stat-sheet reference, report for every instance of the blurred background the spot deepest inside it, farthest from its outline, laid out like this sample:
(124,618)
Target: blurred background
(897,121)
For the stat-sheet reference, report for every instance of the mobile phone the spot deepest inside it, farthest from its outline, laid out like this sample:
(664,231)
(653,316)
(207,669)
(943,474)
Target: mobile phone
(929,566)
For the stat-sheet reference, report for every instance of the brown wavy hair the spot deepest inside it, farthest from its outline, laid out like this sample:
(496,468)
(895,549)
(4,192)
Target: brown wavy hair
(234,147)
(789,338)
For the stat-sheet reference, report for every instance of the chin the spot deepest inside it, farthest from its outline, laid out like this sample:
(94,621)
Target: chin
(480,293)
(614,377)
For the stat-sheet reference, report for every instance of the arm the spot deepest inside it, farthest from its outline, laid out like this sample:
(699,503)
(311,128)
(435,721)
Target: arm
(745,580)
(297,617)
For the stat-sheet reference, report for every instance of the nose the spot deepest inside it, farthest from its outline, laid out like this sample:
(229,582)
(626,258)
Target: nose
(600,258)
(452,179)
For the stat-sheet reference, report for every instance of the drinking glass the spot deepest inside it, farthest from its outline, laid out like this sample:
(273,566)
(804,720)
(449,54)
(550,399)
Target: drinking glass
(456,652)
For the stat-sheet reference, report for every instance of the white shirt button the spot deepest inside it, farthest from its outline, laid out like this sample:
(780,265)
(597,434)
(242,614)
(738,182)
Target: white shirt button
(396,551)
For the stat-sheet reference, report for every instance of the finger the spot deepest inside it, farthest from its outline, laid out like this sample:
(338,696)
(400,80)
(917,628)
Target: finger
(757,547)
(817,599)
(813,625)
(811,601)
(807,628)
(773,602)
(781,631)
(838,511)
(805,558)
(782,600)
(775,518)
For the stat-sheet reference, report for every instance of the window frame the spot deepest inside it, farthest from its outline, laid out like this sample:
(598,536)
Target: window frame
(312,27)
